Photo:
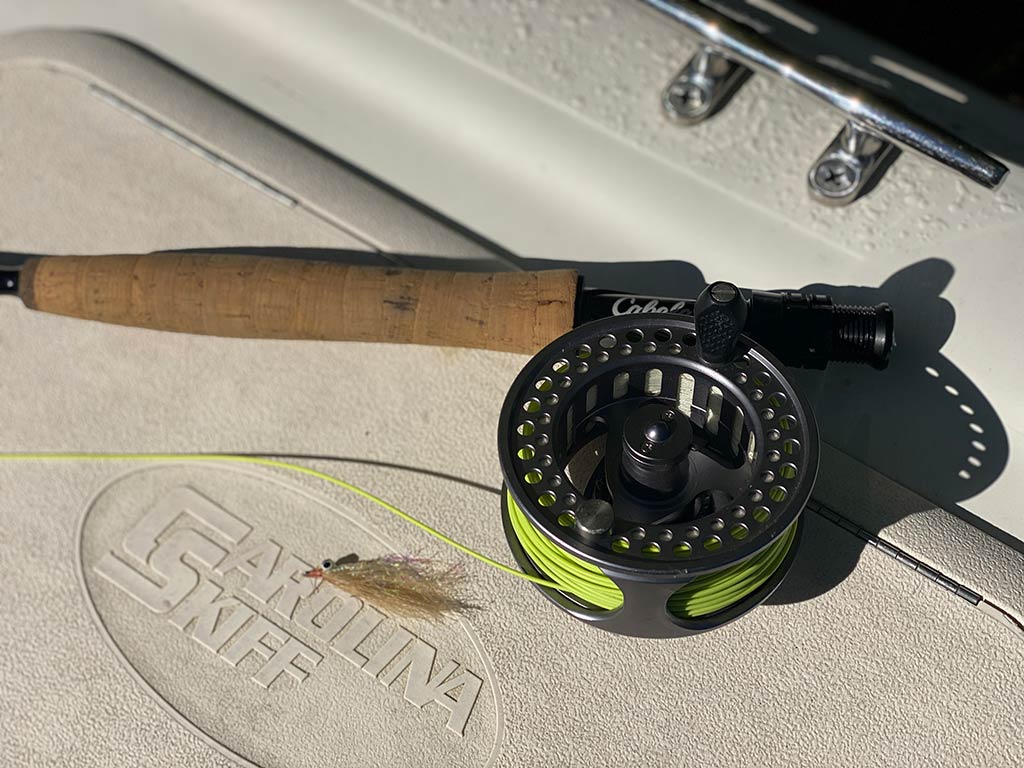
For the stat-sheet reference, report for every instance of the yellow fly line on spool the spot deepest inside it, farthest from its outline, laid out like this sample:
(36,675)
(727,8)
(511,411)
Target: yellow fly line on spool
(703,596)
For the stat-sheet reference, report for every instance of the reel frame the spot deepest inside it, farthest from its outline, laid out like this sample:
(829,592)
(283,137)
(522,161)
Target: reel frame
(571,381)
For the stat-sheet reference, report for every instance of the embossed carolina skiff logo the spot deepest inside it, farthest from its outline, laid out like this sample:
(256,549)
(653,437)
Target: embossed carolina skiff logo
(195,573)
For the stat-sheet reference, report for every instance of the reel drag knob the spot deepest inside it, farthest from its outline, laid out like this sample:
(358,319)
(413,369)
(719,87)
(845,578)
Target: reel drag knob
(720,315)
(656,445)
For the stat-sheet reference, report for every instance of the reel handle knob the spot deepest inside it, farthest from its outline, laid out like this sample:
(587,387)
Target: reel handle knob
(720,315)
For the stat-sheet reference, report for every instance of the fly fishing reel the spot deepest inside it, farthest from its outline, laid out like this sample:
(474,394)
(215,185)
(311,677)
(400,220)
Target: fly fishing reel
(656,466)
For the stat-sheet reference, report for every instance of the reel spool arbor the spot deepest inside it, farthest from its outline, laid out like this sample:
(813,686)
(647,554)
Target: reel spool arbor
(663,459)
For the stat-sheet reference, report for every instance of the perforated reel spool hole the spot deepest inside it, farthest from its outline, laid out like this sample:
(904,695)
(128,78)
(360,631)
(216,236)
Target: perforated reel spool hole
(663,492)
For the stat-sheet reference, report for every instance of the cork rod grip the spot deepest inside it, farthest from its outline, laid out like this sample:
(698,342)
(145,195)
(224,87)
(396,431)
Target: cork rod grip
(277,298)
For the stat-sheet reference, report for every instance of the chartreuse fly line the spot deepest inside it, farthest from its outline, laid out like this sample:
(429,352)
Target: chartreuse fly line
(566,572)
(265,461)
(703,596)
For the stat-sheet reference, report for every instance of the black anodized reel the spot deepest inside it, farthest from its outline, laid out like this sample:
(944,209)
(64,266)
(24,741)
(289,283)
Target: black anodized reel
(703,465)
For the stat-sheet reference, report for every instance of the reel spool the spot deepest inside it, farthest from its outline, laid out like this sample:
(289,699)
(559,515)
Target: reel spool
(662,490)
